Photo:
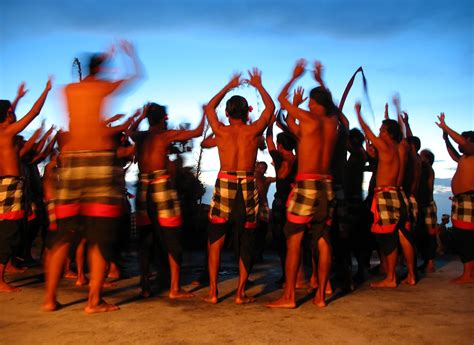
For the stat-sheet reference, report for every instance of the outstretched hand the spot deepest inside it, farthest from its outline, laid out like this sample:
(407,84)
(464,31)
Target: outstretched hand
(127,47)
(357,107)
(21,90)
(385,116)
(255,77)
(405,117)
(441,123)
(235,80)
(299,68)
(298,94)
(49,83)
(318,71)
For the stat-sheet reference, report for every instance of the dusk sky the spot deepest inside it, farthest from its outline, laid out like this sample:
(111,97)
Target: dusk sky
(421,49)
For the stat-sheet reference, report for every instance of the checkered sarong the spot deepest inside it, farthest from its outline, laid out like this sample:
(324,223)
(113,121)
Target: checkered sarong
(309,192)
(50,206)
(156,188)
(264,212)
(412,212)
(386,207)
(430,218)
(225,191)
(11,198)
(90,183)
(462,211)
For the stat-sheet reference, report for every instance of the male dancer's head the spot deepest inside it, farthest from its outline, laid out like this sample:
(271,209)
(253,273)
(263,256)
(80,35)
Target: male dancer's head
(390,131)
(237,108)
(157,116)
(321,103)
(285,142)
(7,114)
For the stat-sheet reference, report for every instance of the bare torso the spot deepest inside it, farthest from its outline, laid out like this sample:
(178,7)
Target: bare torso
(9,162)
(388,167)
(152,150)
(463,179)
(237,145)
(86,101)
(316,145)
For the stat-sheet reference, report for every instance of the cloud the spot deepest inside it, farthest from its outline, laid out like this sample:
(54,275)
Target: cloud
(336,18)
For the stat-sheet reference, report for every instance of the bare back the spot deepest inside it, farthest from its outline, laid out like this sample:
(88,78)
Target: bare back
(237,145)
(152,150)
(316,145)
(86,101)
(463,179)
(388,167)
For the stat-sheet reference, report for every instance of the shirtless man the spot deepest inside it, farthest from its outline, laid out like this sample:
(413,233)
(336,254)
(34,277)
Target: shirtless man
(312,199)
(462,185)
(388,207)
(235,188)
(11,183)
(157,200)
(428,211)
(263,183)
(89,191)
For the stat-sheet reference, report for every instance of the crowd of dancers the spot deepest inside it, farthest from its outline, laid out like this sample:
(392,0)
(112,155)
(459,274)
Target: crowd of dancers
(319,213)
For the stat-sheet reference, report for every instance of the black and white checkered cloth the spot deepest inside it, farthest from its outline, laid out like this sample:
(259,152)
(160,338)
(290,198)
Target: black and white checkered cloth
(386,207)
(462,211)
(11,198)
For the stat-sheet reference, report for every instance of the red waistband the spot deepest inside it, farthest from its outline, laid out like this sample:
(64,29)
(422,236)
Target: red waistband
(310,176)
(386,189)
(231,176)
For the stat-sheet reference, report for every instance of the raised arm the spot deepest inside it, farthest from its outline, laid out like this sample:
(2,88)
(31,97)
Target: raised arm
(298,113)
(21,124)
(210,109)
(378,143)
(31,142)
(453,153)
(39,147)
(19,95)
(41,156)
(396,102)
(407,125)
(137,72)
(255,79)
(467,146)
(182,135)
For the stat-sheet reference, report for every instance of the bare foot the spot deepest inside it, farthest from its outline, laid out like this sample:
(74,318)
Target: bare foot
(179,294)
(101,308)
(211,298)
(51,306)
(409,281)
(108,284)
(384,284)
(462,280)
(313,282)
(244,299)
(282,303)
(5,287)
(82,281)
(319,302)
(13,269)
(70,275)
(146,293)
(328,288)
(113,275)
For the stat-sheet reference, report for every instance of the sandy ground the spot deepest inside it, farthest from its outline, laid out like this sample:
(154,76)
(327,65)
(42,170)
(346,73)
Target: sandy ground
(432,312)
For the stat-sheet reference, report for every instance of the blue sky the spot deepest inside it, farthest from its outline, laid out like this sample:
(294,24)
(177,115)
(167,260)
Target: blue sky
(421,49)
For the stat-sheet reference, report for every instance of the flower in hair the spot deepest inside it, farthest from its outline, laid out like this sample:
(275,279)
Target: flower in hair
(250,108)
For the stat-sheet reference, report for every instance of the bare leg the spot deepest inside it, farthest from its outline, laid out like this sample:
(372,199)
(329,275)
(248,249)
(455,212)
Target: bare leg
(241,297)
(175,288)
(80,261)
(214,250)
(409,254)
(114,272)
(10,268)
(68,273)
(324,267)
(56,260)
(144,252)
(468,274)
(293,256)
(4,286)
(390,281)
(313,282)
(98,266)
(301,282)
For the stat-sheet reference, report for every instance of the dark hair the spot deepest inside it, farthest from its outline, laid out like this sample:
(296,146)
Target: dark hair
(155,113)
(356,137)
(468,135)
(430,156)
(415,141)
(237,108)
(95,62)
(264,163)
(4,106)
(286,140)
(323,97)
(393,129)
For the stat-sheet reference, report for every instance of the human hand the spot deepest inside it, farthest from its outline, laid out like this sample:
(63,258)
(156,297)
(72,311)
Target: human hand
(299,68)
(255,77)
(298,94)
(21,90)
